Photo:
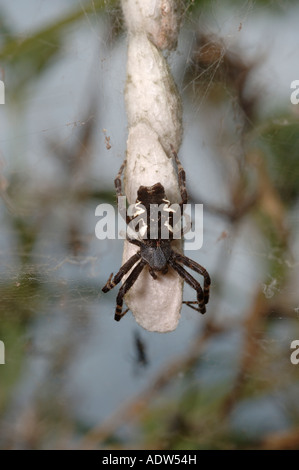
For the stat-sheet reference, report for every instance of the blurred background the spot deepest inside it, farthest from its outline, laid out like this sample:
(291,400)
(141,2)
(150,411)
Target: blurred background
(76,379)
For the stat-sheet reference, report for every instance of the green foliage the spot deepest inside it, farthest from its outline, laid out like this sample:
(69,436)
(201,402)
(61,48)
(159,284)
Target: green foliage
(190,420)
(281,137)
(275,5)
(21,301)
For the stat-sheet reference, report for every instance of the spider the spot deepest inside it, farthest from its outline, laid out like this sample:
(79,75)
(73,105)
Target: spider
(156,253)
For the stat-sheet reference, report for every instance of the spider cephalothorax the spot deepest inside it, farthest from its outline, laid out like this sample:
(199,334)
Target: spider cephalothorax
(151,194)
(155,250)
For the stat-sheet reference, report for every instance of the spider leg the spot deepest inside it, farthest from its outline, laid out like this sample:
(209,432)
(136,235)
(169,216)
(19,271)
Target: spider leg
(190,304)
(117,181)
(152,273)
(118,189)
(124,289)
(123,270)
(118,316)
(134,241)
(192,282)
(183,191)
(197,268)
(181,178)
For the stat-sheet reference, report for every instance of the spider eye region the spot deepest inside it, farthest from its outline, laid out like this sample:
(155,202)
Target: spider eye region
(155,256)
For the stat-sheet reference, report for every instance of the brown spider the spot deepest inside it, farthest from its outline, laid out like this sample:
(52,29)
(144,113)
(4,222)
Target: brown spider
(157,253)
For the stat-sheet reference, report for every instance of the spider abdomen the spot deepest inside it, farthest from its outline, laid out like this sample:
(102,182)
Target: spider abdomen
(156,256)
